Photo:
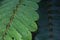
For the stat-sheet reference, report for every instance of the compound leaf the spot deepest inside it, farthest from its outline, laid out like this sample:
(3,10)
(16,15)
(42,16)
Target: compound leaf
(17,19)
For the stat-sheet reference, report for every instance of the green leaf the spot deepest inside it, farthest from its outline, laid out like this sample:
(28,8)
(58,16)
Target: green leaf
(31,0)
(17,19)
(31,4)
(7,37)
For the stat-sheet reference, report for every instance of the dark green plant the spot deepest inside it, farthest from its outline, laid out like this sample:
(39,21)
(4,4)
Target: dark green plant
(17,19)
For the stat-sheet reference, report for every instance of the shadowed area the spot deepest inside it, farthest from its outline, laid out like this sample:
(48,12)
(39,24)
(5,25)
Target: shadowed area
(43,31)
(1,2)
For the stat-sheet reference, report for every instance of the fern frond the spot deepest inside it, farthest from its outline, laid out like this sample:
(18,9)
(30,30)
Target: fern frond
(17,19)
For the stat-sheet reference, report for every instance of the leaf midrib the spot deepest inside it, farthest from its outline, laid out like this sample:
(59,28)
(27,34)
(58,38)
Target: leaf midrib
(11,19)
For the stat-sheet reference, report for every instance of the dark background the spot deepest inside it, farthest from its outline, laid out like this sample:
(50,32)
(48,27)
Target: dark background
(51,7)
(48,9)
